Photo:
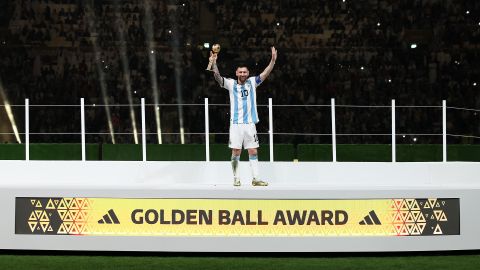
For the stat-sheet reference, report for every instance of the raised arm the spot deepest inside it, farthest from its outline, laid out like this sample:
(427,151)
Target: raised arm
(269,68)
(216,73)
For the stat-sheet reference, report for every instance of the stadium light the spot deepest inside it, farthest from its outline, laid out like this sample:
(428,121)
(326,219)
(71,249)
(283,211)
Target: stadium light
(10,115)
(126,69)
(149,39)
(177,63)
(100,71)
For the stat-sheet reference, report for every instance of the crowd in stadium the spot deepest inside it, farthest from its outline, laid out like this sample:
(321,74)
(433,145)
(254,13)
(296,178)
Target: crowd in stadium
(358,52)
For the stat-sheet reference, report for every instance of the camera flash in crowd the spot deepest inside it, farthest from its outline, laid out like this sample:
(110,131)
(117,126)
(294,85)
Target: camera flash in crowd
(361,67)
(467,12)
(474,84)
(414,139)
(152,51)
(278,24)
(206,45)
(413,46)
(378,24)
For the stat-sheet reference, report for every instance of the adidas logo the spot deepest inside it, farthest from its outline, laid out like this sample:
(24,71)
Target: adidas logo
(109,218)
(370,219)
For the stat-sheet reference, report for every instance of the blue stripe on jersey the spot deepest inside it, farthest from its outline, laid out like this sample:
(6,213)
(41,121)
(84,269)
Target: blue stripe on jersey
(235,103)
(252,101)
(258,80)
(244,105)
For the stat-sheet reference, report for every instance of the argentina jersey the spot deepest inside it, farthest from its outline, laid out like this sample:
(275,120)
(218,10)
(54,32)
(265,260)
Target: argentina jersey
(243,100)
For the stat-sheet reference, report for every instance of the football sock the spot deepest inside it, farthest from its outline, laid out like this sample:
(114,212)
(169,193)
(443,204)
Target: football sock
(254,165)
(235,160)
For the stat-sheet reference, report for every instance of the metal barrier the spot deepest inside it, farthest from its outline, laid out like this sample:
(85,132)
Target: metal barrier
(270,132)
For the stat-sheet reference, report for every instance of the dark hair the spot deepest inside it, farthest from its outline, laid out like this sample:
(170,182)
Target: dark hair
(241,65)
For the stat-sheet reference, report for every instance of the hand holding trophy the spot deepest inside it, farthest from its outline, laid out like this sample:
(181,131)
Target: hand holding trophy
(213,56)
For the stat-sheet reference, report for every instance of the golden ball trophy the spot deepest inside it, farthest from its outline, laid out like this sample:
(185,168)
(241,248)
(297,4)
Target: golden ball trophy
(215,50)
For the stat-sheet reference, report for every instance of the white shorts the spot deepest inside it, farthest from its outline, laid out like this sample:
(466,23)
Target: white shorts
(243,134)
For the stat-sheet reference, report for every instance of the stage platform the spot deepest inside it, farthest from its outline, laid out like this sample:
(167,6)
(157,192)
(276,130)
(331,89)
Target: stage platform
(193,206)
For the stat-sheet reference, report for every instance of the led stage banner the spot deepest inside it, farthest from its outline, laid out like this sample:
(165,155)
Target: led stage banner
(237,217)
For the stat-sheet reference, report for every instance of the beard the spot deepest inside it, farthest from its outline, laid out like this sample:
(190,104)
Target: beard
(242,79)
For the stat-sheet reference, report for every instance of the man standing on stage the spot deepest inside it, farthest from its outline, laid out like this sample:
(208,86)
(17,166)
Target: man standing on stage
(243,114)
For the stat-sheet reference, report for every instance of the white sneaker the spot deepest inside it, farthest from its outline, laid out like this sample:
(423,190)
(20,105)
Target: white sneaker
(236,181)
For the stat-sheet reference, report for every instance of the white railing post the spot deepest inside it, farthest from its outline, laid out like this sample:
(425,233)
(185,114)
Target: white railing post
(27,130)
(207,133)
(394,141)
(82,124)
(334,139)
(144,140)
(270,127)
(444,135)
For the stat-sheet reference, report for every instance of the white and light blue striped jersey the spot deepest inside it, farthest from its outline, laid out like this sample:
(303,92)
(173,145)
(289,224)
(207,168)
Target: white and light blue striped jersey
(243,100)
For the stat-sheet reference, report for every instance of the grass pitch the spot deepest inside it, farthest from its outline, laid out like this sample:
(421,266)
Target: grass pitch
(211,261)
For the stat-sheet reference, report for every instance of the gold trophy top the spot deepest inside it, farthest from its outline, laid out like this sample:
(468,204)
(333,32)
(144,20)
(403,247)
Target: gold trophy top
(213,56)
(216,48)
